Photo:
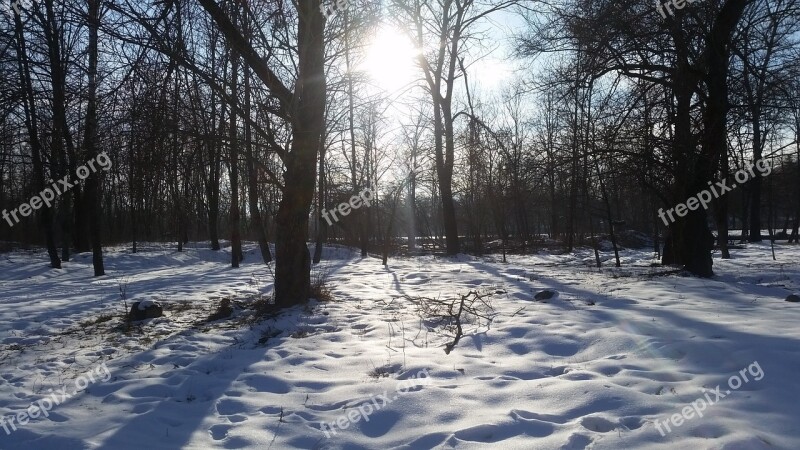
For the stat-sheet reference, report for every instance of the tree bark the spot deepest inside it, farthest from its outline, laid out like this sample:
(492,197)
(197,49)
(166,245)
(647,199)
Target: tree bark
(293,261)
(233,165)
(31,124)
(256,220)
(92,198)
(52,35)
(690,241)
(305,110)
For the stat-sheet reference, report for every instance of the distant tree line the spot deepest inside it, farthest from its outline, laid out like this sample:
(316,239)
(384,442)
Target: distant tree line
(231,120)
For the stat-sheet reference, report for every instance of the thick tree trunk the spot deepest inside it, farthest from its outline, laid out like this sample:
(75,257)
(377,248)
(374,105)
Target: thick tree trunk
(690,241)
(292,258)
(687,241)
(449,216)
(305,109)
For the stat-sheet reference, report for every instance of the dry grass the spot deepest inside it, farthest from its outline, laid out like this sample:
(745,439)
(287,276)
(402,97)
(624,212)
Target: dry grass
(224,310)
(319,286)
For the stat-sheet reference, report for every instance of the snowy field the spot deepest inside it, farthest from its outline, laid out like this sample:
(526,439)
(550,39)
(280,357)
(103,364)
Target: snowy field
(617,355)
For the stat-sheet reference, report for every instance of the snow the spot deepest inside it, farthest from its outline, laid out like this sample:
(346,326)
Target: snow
(144,304)
(593,367)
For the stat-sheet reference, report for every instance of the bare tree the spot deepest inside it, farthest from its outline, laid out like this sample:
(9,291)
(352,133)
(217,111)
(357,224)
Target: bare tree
(441,30)
(304,109)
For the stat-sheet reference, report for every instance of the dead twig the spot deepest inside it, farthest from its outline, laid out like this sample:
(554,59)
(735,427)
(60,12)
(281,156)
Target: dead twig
(451,314)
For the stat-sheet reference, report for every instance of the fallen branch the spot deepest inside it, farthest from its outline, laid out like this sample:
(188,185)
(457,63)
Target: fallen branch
(450,315)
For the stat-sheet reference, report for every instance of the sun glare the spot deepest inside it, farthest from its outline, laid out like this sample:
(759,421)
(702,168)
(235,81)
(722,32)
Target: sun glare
(389,61)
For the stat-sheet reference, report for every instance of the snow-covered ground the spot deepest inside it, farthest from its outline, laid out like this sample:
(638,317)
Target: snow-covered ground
(616,353)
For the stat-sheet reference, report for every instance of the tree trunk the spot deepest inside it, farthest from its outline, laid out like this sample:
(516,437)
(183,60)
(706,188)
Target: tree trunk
(715,133)
(687,242)
(57,81)
(755,183)
(387,240)
(322,226)
(411,204)
(305,109)
(795,237)
(690,242)
(293,261)
(233,165)
(256,220)
(31,124)
(573,195)
(213,188)
(92,198)
(444,165)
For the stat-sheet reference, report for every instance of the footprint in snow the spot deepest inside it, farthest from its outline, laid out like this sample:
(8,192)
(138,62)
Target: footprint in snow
(598,424)
(577,442)
(632,422)
(219,432)
(228,407)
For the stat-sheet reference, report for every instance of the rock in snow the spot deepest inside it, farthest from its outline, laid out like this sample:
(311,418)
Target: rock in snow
(146,309)
(545,295)
(794,298)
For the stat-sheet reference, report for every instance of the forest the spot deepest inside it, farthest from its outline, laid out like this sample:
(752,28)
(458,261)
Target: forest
(240,121)
(240,154)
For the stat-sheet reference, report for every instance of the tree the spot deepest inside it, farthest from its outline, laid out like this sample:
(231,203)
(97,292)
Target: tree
(304,109)
(31,124)
(440,30)
(676,55)
(92,199)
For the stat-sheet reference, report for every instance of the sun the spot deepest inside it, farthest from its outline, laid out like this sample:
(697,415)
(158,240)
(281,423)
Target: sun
(390,60)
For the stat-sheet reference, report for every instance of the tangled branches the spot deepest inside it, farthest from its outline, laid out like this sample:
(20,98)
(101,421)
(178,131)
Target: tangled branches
(451,314)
